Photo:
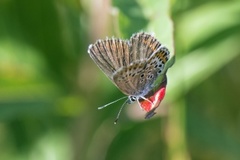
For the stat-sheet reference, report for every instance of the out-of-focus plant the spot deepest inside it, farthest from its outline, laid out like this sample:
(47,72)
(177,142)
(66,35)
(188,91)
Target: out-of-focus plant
(50,89)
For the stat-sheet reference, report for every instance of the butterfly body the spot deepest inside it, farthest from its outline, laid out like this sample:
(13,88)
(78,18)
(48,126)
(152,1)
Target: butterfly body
(132,65)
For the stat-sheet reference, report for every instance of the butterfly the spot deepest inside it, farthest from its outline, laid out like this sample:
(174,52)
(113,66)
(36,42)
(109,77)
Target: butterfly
(136,66)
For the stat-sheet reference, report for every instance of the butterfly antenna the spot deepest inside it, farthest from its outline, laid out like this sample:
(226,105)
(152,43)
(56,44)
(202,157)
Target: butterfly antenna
(111,103)
(119,112)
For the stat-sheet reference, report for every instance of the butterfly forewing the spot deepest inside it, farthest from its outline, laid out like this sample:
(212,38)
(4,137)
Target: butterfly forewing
(142,46)
(109,55)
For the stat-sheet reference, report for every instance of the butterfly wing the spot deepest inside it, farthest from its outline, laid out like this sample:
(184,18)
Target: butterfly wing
(142,46)
(126,63)
(132,79)
(155,67)
(137,79)
(109,55)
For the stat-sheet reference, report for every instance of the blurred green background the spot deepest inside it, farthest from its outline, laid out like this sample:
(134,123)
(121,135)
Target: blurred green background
(50,88)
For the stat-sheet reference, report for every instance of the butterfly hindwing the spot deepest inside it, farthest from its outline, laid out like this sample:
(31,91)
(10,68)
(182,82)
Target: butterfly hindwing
(138,78)
(155,65)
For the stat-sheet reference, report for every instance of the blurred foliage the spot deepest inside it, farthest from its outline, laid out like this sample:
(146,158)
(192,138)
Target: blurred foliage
(50,89)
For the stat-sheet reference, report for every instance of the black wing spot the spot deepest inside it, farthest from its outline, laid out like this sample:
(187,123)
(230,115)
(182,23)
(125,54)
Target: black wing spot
(159,71)
(150,76)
